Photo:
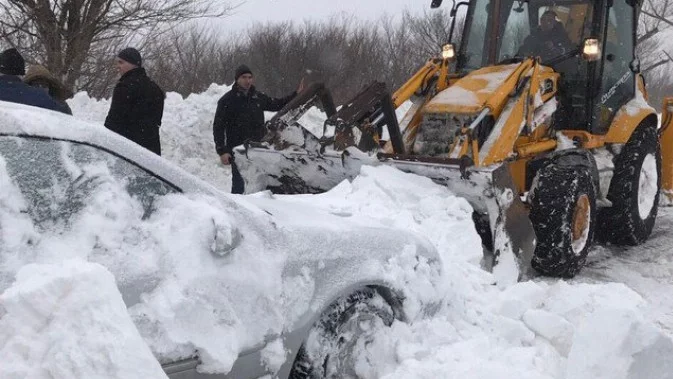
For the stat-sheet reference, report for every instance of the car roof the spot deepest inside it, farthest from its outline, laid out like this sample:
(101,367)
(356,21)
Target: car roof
(23,120)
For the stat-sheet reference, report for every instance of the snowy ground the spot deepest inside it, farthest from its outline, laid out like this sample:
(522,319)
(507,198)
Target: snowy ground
(647,269)
(614,321)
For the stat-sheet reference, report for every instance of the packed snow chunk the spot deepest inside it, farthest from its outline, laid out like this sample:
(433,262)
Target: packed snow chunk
(614,343)
(68,320)
(574,302)
(415,203)
(551,327)
(274,355)
(517,299)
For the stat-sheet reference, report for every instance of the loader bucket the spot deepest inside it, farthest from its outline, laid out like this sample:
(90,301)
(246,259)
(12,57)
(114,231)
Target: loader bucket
(490,191)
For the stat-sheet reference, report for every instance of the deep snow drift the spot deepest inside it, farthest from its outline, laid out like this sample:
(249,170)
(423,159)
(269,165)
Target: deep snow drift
(542,329)
(68,320)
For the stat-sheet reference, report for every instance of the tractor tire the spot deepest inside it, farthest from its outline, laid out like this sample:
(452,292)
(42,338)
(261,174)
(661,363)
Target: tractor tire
(634,190)
(331,348)
(563,213)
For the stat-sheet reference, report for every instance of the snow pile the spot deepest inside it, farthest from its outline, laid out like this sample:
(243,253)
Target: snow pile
(530,330)
(68,320)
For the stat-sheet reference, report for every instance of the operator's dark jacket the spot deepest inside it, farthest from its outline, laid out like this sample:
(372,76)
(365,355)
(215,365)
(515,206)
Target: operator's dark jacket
(13,89)
(136,110)
(535,44)
(240,117)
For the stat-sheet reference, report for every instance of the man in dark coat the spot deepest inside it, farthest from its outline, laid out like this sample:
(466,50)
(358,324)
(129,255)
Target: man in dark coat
(549,41)
(13,89)
(240,117)
(137,103)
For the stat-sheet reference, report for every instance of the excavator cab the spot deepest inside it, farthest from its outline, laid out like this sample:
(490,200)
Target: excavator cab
(537,116)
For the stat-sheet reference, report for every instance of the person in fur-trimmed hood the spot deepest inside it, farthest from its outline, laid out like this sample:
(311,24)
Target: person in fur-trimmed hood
(40,77)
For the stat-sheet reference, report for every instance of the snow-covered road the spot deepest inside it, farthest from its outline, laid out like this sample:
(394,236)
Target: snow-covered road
(647,269)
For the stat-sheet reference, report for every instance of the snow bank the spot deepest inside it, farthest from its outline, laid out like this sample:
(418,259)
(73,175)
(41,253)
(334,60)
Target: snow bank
(68,320)
(530,330)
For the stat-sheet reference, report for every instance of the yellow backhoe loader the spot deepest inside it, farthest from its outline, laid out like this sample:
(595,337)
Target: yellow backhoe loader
(538,118)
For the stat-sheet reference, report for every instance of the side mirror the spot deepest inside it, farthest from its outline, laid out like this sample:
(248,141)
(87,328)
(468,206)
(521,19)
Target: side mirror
(591,50)
(226,237)
(435,4)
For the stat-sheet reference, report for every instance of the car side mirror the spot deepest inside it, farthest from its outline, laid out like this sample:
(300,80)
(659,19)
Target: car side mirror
(226,237)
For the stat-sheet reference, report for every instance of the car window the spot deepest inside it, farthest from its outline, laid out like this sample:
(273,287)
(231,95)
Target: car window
(58,178)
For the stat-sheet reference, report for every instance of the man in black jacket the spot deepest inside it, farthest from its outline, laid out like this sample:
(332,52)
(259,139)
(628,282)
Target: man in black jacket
(240,117)
(549,40)
(137,103)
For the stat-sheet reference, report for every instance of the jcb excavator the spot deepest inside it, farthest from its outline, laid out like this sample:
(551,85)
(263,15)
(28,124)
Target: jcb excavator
(551,141)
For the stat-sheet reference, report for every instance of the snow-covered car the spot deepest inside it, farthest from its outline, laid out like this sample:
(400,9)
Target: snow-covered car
(218,285)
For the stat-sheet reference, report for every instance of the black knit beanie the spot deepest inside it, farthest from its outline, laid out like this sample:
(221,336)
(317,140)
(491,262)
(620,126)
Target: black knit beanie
(12,63)
(242,69)
(131,55)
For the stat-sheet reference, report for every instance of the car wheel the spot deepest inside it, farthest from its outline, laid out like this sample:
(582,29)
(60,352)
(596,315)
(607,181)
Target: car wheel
(337,339)
(634,190)
(563,213)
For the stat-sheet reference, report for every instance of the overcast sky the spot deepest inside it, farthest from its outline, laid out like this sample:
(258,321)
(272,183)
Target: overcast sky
(298,10)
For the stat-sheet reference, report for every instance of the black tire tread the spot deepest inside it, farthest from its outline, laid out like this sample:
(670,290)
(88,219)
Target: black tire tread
(621,223)
(337,313)
(552,205)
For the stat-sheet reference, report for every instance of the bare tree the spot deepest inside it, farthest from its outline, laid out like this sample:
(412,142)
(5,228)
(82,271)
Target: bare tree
(194,62)
(61,33)
(655,22)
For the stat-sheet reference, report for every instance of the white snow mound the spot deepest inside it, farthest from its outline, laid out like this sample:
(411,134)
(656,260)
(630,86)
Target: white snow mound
(68,320)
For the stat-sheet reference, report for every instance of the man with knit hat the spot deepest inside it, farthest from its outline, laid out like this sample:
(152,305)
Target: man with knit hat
(240,117)
(137,103)
(14,90)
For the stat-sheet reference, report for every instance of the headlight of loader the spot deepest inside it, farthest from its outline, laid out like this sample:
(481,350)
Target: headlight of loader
(591,50)
(448,51)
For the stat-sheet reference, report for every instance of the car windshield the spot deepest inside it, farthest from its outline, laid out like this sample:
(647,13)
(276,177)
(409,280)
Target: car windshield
(547,29)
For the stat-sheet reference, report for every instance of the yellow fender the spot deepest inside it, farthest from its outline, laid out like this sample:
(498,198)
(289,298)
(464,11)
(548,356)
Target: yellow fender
(666,141)
(630,116)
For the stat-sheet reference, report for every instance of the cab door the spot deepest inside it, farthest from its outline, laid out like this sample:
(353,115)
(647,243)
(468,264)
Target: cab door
(616,83)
